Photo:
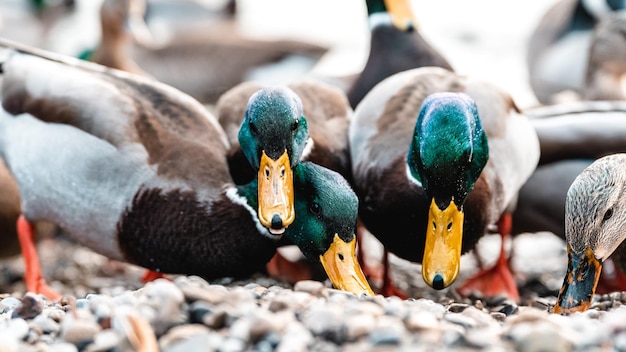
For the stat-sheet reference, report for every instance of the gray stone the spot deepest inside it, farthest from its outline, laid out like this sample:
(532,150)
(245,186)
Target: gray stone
(166,301)
(359,325)
(62,347)
(388,331)
(105,340)
(195,288)
(177,336)
(240,330)
(8,304)
(326,322)
(315,288)
(16,328)
(197,342)
(296,338)
(232,345)
(80,327)
(46,325)
(421,320)
(30,307)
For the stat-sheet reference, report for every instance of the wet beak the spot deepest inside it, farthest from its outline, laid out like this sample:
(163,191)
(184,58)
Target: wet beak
(276,205)
(579,285)
(343,269)
(401,14)
(442,252)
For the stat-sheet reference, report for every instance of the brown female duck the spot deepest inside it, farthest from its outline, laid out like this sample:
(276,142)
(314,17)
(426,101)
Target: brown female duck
(595,218)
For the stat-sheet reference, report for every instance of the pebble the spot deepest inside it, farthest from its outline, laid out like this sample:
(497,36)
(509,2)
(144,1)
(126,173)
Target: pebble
(189,313)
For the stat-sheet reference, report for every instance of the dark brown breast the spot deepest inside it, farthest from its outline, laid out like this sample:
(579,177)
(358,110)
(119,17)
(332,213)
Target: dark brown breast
(172,232)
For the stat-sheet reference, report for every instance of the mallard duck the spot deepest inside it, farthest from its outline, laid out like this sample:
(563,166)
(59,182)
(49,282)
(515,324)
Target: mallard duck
(149,179)
(571,136)
(559,47)
(395,45)
(277,126)
(203,63)
(594,229)
(605,76)
(321,136)
(433,154)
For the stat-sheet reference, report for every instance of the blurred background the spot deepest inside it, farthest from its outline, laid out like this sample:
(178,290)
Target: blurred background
(484,38)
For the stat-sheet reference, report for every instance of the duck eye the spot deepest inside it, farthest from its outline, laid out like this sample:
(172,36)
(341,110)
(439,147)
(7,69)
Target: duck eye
(608,214)
(294,126)
(253,128)
(315,208)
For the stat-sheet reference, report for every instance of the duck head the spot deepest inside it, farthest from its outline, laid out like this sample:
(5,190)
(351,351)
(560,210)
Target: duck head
(595,227)
(398,10)
(448,152)
(324,229)
(272,136)
(122,20)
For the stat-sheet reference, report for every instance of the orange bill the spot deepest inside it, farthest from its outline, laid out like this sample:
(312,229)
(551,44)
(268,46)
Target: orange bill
(343,269)
(442,251)
(401,14)
(276,204)
(580,283)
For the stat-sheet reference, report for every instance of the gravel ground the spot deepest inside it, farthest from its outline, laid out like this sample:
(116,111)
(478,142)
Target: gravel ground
(107,308)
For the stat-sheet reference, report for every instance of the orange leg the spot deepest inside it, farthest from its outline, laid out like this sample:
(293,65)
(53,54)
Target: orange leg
(611,280)
(282,268)
(32,273)
(498,279)
(389,289)
(375,274)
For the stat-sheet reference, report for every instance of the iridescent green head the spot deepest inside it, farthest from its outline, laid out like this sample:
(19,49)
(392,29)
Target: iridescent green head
(324,229)
(447,154)
(449,148)
(273,123)
(272,136)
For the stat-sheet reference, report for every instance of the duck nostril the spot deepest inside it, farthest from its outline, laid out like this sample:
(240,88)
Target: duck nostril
(438,282)
(277,222)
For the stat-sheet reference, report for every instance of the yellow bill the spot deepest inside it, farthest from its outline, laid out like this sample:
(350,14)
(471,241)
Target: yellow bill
(442,251)
(343,269)
(276,205)
(401,14)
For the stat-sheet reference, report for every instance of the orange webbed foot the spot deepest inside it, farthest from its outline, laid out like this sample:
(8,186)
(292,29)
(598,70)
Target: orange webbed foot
(151,275)
(32,274)
(499,279)
(282,268)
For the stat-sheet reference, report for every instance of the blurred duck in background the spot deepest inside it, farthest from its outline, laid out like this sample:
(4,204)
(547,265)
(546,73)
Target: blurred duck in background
(564,51)
(395,45)
(202,60)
